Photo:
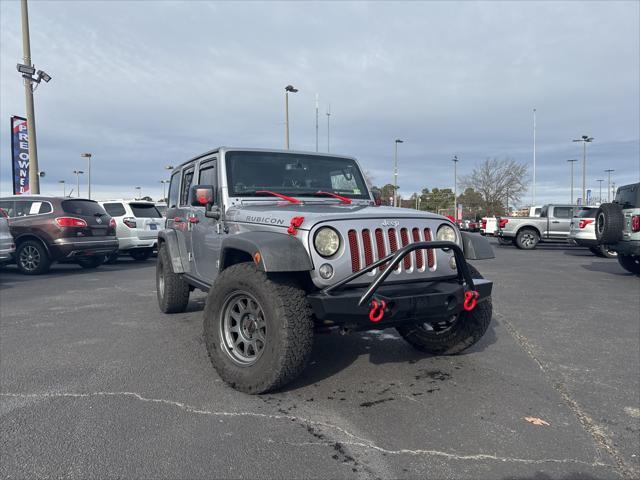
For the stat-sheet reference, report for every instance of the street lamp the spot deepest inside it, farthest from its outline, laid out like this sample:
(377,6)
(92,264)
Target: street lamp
(608,171)
(139,189)
(163,182)
(395,172)
(169,167)
(78,173)
(88,157)
(584,139)
(64,187)
(455,186)
(572,161)
(600,194)
(287,89)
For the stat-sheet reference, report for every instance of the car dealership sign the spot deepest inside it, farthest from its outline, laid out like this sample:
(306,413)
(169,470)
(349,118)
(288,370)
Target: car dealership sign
(20,155)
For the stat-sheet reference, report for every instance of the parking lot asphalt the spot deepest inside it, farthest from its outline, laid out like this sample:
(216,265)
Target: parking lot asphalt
(96,383)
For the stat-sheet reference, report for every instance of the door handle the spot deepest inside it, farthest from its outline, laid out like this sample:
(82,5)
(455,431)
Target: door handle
(178,220)
(193,220)
(555,221)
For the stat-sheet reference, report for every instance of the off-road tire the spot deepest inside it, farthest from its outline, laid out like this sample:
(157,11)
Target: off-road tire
(32,248)
(91,262)
(505,241)
(467,330)
(609,223)
(288,336)
(173,293)
(527,239)
(141,255)
(603,251)
(630,263)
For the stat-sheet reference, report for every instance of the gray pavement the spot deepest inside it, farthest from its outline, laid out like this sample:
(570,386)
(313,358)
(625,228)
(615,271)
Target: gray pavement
(96,383)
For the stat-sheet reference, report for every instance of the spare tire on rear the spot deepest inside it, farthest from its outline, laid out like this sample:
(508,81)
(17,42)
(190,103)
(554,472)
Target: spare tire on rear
(609,223)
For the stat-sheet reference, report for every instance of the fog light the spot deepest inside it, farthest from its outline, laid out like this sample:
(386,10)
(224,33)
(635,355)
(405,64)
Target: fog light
(452,263)
(326,271)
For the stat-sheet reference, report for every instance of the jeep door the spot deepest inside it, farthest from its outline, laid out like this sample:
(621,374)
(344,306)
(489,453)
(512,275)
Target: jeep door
(560,222)
(206,233)
(179,210)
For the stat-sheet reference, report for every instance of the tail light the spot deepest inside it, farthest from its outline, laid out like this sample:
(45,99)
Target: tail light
(484,223)
(112,223)
(129,222)
(70,222)
(635,223)
(584,222)
(503,222)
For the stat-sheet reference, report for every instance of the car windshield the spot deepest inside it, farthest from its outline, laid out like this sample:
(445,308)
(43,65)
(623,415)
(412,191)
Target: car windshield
(629,196)
(144,210)
(83,207)
(293,174)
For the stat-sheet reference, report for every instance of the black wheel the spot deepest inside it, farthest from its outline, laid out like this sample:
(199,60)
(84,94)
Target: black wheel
(505,241)
(258,330)
(630,263)
(527,239)
(141,255)
(171,289)
(91,262)
(32,258)
(603,251)
(451,335)
(609,223)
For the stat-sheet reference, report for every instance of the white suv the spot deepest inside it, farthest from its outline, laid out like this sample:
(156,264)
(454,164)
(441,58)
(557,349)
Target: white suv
(137,225)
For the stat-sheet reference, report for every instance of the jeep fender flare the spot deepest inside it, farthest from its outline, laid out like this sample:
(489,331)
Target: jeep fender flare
(170,240)
(476,247)
(270,251)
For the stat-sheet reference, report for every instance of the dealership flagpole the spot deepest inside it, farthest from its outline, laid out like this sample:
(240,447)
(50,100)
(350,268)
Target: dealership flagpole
(34,178)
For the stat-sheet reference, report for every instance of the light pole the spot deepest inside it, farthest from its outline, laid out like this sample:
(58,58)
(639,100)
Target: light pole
(608,172)
(328,128)
(78,173)
(64,187)
(139,189)
(455,186)
(533,196)
(600,194)
(164,195)
(287,89)
(88,157)
(395,172)
(28,71)
(571,161)
(585,139)
(169,167)
(317,107)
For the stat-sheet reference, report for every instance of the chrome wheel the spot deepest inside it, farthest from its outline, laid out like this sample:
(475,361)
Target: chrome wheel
(29,258)
(161,279)
(243,328)
(528,239)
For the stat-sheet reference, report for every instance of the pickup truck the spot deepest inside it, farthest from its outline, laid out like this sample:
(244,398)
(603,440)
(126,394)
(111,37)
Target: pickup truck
(526,232)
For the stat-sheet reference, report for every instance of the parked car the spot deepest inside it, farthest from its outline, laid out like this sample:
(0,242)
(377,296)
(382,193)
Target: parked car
(582,232)
(526,232)
(488,226)
(7,246)
(162,208)
(618,226)
(137,225)
(286,241)
(52,229)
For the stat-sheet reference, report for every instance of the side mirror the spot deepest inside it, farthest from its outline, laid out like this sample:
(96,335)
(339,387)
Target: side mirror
(377,198)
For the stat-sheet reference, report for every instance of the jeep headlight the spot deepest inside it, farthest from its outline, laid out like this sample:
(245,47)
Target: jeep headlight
(326,241)
(446,233)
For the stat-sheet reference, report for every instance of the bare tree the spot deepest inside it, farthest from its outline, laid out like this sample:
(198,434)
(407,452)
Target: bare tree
(497,179)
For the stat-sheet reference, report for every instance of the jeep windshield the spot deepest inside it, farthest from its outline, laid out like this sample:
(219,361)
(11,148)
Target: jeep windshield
(249,173)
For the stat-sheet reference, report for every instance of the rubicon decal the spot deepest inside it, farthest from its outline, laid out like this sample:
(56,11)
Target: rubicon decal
(267,220)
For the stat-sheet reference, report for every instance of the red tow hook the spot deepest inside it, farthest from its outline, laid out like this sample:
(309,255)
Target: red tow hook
(470,300)
(376,312)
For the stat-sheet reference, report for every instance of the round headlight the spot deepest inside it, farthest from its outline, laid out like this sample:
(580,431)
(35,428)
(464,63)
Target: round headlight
(446,233)
(327,241)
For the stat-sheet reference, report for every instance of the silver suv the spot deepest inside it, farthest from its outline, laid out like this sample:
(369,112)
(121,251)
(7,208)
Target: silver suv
(618,226)
(287,242)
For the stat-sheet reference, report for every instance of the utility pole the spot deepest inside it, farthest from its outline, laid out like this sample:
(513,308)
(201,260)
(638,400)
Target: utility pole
(34,177)
(287,89)
(64,187)
(88,157)
(317,107)
(455,186)
(608,171)
(395,173)
(533,196)
(328,128)
(78,173)
(572,161)
(584,139)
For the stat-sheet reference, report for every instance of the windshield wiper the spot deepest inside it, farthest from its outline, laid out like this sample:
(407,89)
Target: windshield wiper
(280,195)
(344,200)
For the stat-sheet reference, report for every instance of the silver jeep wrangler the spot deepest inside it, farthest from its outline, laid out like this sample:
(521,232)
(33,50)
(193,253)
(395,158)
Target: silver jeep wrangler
(287,242)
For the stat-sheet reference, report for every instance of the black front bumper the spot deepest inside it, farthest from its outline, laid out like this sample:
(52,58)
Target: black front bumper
(409,302)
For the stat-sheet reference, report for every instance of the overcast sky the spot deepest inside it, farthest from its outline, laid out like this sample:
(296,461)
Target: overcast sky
(145,84)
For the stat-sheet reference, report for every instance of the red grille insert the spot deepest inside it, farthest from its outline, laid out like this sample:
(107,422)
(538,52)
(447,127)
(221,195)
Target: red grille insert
(393,242)
(404,236)
(380,246)
(355,252)
(427,238)
(419,255)
(368,252)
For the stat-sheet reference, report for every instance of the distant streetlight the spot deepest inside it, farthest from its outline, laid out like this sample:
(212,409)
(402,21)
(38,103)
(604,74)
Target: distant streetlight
(287,89)
(572,161)
(455,186)
(64,187)
(78,173)
(395,172)
(163,182)
(169,167)
(584,139)
(328,128)
(88,157)
(600,194)
(139,189)
(608,171)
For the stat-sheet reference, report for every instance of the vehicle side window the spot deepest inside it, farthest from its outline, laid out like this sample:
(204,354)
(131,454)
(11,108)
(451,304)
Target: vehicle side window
(7,206)
(207,175)
(45,208)
(544,212)
(22,208)
(563,212)
(174,188)
(187,179)
(115,209)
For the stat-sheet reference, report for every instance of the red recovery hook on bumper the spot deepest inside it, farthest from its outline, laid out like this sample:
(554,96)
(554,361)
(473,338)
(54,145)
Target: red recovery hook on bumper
(376,312)
(470,300)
